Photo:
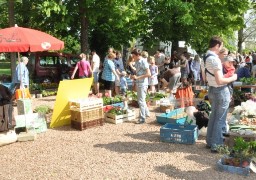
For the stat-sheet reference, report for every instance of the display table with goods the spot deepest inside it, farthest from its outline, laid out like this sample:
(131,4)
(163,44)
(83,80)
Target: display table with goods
(86,113)
(242,122)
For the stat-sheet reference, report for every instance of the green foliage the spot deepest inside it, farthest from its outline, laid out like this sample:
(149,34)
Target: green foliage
(248,81)
(46,93)
(242,149)
(117,111)
(118,22)
(35,86)
(112,100)
(43,109)
(158,96)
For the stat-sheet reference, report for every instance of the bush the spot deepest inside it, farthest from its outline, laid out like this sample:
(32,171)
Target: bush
(43,109)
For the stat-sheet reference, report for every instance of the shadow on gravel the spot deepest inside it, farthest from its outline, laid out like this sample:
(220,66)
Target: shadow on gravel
(48,100)
(151,136)
(154,145)
(174,173)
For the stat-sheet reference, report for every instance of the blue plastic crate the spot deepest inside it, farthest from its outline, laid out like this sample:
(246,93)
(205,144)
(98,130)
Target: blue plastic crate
(175,133)
(168,117)
(232,169)
(121,105)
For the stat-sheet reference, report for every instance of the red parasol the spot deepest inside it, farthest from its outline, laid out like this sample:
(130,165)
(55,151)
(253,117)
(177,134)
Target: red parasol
(18,39)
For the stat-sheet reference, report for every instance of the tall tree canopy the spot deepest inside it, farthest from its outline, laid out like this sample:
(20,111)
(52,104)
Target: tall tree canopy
(92,24)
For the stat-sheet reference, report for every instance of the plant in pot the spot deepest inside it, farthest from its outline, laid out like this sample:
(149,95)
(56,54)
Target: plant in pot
(240,155)
(43,110)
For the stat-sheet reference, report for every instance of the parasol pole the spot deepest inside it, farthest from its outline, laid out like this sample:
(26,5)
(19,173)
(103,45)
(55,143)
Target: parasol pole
(22,92)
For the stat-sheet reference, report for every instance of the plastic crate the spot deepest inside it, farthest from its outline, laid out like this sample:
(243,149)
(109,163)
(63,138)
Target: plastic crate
(120,104)
(87,115)
(175,116)
(88,124)
(84,104)
(233,169)
(175,133)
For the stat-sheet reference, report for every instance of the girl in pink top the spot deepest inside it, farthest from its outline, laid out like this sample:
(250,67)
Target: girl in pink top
(84,68)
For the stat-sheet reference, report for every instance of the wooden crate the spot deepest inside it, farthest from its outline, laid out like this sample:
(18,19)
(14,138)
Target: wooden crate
(87,115)
(117,119)
(88,124)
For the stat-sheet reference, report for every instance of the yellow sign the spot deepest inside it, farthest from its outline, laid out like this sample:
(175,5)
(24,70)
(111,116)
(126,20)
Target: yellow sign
(68,90)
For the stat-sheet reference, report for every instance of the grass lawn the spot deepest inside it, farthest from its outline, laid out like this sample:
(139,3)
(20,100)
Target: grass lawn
(5,68)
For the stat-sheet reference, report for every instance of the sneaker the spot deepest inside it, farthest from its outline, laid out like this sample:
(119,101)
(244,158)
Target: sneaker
(140,122)
(226,134)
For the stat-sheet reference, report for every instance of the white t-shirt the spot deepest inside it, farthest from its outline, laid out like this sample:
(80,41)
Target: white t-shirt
(96,63)
(212,63)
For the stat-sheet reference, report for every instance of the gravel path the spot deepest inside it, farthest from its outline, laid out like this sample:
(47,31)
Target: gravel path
(124,151)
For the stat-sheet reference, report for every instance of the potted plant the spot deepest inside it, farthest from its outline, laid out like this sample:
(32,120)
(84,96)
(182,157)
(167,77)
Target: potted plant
(240,155)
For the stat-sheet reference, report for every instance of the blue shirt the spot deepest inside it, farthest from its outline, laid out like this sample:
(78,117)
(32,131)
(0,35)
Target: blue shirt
(108,67)
(123,82)
(22,74)
(118,65)
(141,68)
(243,72)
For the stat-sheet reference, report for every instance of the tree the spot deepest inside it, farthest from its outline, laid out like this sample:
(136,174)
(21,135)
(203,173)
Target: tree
(195,21)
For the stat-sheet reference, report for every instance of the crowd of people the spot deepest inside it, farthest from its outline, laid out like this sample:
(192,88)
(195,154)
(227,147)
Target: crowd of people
(218,67)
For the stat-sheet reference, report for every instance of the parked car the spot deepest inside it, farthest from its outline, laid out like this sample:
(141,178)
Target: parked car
(45,66)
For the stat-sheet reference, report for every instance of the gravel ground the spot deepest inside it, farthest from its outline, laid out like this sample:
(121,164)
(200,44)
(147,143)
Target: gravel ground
(124,151)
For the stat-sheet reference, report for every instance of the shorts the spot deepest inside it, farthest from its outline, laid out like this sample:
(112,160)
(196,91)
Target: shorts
(95,77)
(108,85)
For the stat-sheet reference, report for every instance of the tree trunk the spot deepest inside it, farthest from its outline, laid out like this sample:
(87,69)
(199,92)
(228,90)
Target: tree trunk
(240,41)
(84,27)
(11,24)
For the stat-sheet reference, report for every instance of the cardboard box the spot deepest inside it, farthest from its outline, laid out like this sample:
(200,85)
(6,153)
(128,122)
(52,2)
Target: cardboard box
(24,106)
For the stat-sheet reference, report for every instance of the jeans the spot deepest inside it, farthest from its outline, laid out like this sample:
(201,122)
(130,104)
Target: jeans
(220,99)
(141,95)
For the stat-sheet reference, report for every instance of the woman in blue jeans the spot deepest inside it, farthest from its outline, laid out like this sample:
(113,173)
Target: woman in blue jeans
(219,94)
(141,77)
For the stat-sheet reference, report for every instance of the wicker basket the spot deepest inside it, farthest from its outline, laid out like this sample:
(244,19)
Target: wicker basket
(87,115)
(88,124)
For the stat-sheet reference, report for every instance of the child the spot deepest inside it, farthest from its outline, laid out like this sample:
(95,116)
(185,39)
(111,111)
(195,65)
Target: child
(123,83)
(154,72)
(228,66)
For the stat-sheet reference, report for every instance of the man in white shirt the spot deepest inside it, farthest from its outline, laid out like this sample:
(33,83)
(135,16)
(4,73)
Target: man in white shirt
(159,59)
(95,70)
(218,93)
